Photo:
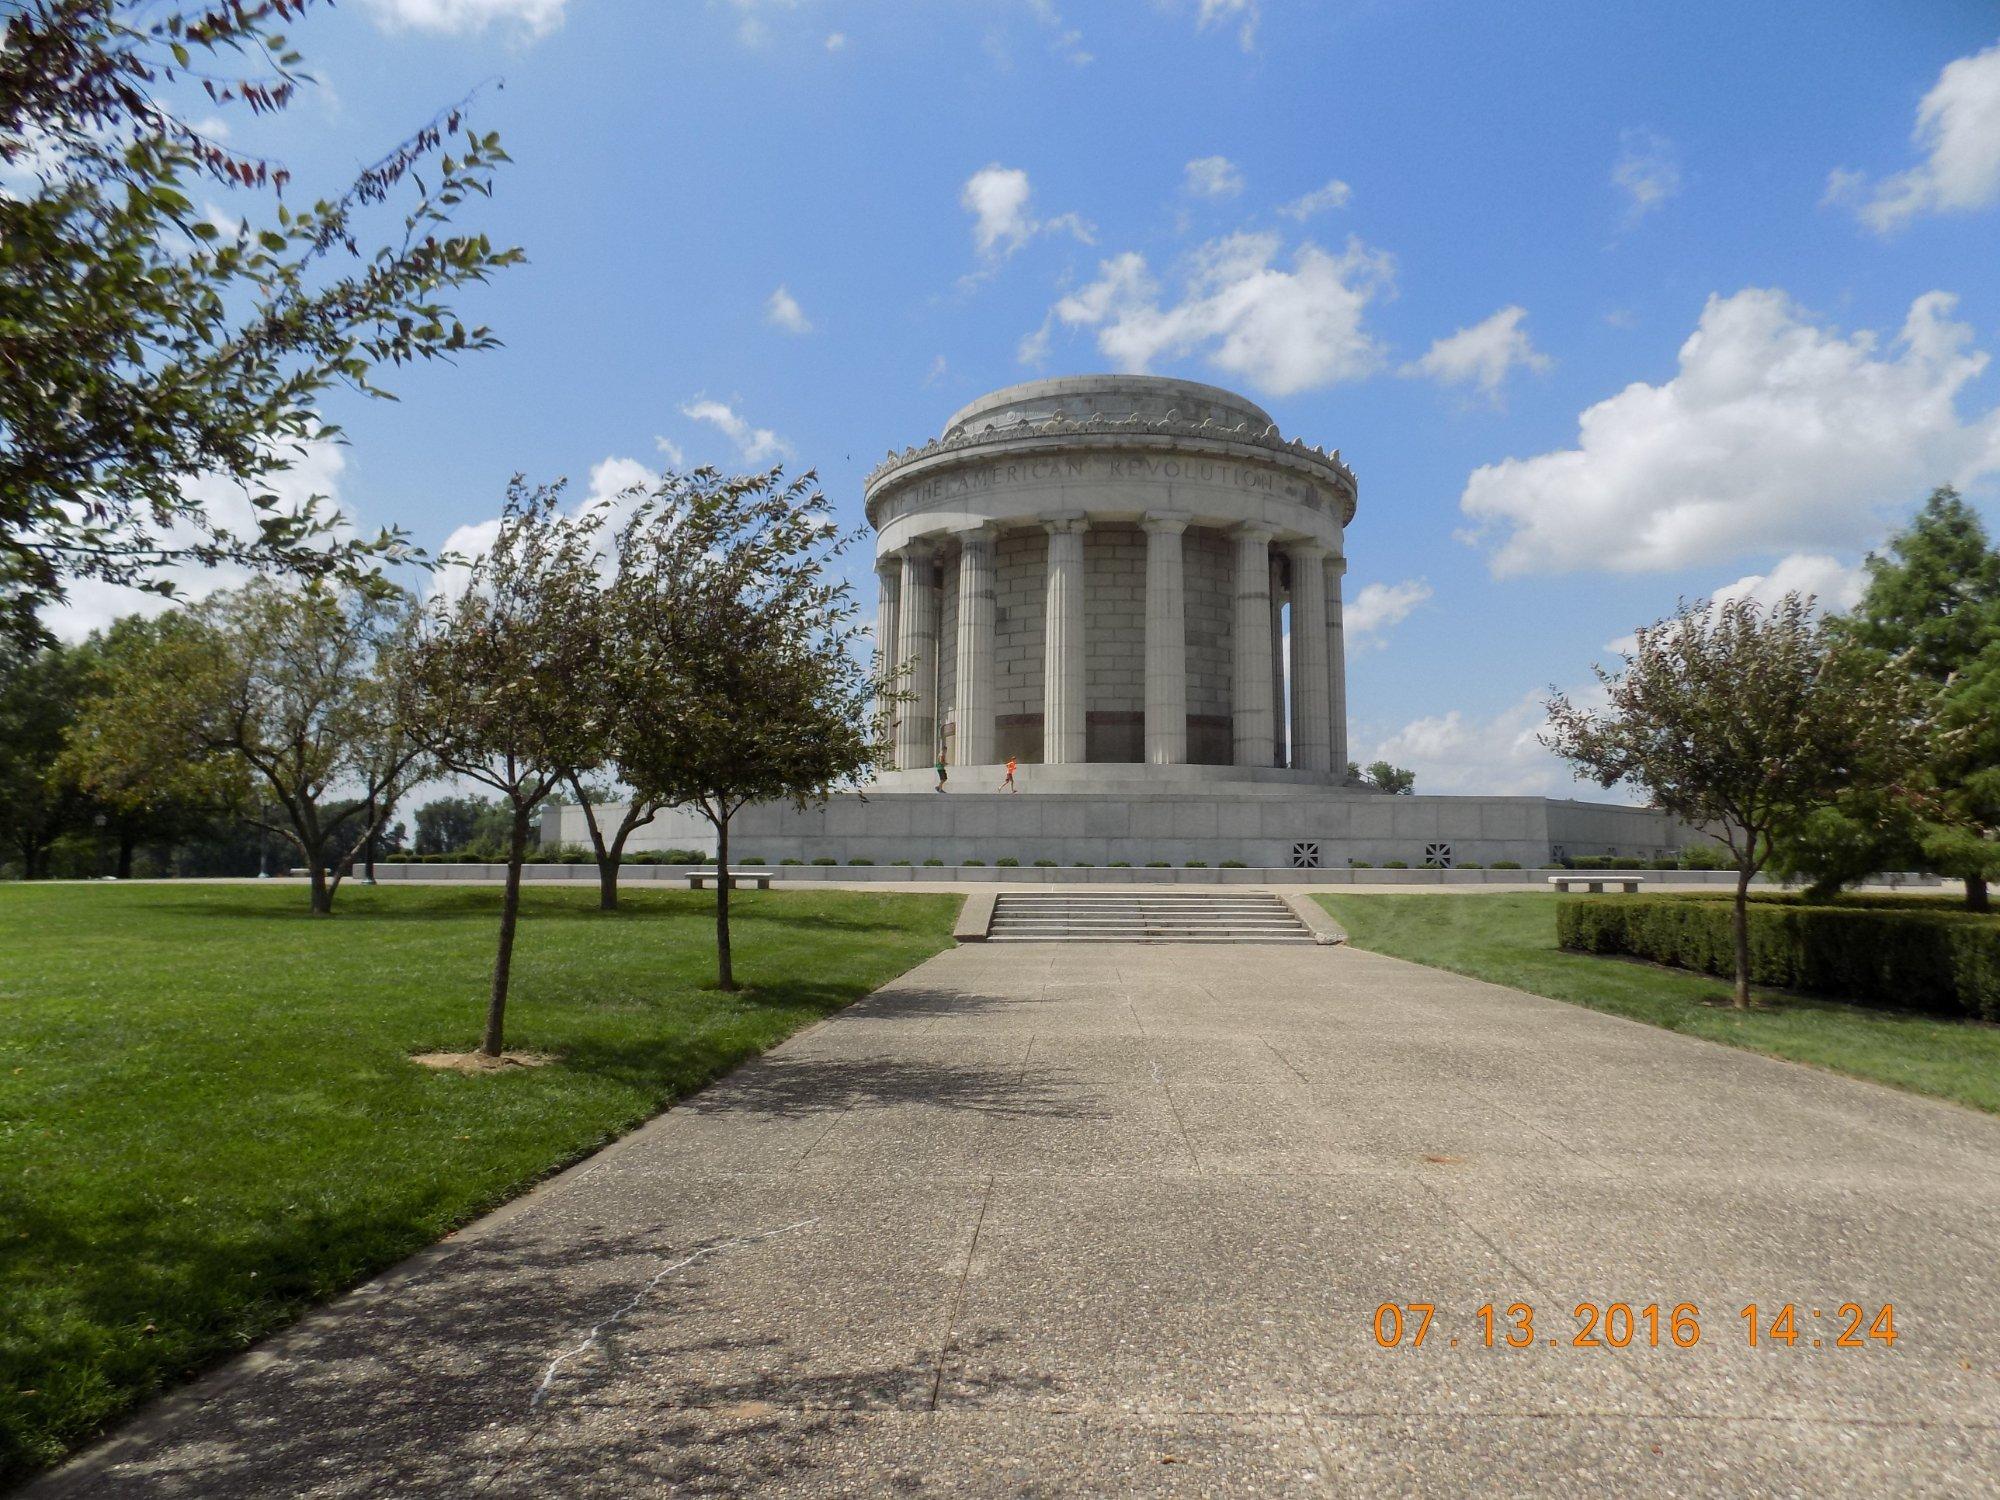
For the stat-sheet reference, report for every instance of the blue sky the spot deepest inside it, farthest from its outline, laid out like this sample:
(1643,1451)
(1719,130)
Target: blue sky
(1605,304)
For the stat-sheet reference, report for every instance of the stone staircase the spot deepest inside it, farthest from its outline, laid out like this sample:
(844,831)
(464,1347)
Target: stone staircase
(1142,916)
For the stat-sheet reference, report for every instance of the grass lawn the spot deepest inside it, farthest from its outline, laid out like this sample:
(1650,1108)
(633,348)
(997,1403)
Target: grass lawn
(1511,940)
(208,1119)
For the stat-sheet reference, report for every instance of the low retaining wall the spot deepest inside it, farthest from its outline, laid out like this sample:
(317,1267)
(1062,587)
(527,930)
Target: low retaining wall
(1090,875)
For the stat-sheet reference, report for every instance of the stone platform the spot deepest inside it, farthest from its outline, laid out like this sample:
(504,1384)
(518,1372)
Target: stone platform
(1268,825)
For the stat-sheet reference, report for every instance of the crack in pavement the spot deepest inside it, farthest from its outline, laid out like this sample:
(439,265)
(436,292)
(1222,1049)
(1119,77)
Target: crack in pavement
(595,1337)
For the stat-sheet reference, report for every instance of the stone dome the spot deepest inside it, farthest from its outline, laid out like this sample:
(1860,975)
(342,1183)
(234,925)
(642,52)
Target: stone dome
(1113,398)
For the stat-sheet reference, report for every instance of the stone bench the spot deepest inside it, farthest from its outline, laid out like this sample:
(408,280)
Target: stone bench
(699,880)
(1596,884)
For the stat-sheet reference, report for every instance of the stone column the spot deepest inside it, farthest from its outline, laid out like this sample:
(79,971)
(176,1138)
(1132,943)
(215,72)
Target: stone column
(1166,641)
(1280,738)
(975,649)
(1250,679)
(1312,714)
(1062,645)
(1336,667)
(916,726)
(888,594)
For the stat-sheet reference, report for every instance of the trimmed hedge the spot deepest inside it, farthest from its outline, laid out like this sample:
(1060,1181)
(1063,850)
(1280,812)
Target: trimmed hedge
(1939,962)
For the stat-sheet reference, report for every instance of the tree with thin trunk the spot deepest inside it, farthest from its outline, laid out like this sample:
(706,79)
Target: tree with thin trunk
(607,841)
(289,686)
(1742,721)
(499,680)
(1932,607)
(742,676)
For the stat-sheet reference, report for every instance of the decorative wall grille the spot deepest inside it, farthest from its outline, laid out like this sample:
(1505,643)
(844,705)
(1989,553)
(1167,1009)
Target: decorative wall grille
(1305,855)
(1437,856)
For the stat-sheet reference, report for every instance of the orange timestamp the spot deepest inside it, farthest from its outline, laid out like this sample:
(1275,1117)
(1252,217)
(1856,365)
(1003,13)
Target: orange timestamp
(1647,1325)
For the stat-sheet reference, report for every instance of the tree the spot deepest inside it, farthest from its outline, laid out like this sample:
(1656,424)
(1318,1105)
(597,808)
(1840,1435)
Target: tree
(742,677)
(292,687)
(1933,608)
(39,689)
(1394,780)
(140,802)
(498,680)
(144,345)
(1743,722)
(446,825)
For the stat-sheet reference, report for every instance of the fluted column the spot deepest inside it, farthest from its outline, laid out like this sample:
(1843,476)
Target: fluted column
(1063,739)
(916,726)
(1166,642)
(888,593)
(1336,666)
(1312,684)
(1251,649)
(975,649)
(1280,744)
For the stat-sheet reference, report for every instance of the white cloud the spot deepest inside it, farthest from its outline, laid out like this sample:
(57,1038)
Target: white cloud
(1378,608)
(1836,587)
(937,371)
(1282,330)
(1958,130)
(1213,177)
(1243,14)
(92,604)
(612,483)
(1494,756)
(998,197)
(1776,435)
(671,451)
(757,445)
(1067,41)
(460,17)
(782,310)
(836,41)
(1648,171)
(1335,194)
(1482,355)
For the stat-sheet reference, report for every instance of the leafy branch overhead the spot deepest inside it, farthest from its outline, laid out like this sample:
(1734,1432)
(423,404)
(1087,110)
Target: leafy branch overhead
(144,344)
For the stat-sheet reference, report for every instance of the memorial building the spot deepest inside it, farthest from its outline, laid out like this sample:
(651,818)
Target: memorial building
(1131,586)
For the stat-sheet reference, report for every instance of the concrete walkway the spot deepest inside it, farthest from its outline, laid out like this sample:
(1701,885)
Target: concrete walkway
(1043,1220)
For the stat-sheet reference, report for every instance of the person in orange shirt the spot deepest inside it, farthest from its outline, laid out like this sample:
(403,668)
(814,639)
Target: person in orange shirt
(1007,785)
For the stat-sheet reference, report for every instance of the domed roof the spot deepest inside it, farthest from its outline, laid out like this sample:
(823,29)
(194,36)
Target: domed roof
(1078,398)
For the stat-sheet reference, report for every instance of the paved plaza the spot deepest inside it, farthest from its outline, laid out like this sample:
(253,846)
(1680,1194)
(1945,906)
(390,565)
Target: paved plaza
(1059,1220)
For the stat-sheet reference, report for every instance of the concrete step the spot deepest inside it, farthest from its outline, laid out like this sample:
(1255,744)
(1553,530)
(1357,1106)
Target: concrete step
(1144,917)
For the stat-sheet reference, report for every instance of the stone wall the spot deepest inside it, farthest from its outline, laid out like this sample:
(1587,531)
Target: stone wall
(1114,636)
(1209,567)
(1258,827)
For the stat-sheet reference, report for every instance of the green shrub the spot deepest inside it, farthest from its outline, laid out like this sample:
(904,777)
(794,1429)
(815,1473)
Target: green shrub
(825,860)
(1083,864)
(1158,864)
(1506,864)
(1470,864)
(1359,864)
(791,861)
(977,863)
(932,864)
(1900,958)
(855,861)
(1197,864)
(1121,864)
(1663,864)
(1395,864)
(904,863)
(1045,864)
(1707,857)
(1009,861)
(1233,864)
(755,860)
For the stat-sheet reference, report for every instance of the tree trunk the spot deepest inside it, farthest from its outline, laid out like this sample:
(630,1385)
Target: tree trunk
(368,846)
(510,911)
(1975,894)
(607,882)
(725,973)
(125,846)
(1740,923)
(322,892)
